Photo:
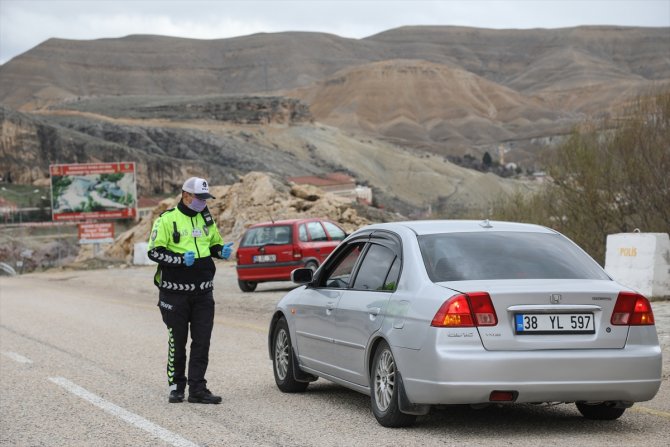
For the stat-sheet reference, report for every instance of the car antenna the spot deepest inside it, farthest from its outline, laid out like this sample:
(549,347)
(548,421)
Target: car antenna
(271,218)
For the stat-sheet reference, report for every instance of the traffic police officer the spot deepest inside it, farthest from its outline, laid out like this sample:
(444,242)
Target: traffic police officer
(183,242)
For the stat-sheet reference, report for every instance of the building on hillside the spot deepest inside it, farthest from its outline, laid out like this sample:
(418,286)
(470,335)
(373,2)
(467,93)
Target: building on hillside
(145,205)
(7,209)
(337,183)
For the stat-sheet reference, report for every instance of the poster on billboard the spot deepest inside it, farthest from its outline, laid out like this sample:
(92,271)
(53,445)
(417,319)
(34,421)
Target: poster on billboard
(93,191)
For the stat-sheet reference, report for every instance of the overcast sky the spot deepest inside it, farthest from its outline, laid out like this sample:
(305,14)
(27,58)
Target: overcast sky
(26,23)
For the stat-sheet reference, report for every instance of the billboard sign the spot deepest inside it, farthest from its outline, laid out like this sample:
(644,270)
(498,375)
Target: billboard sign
(93,191)
(96,233)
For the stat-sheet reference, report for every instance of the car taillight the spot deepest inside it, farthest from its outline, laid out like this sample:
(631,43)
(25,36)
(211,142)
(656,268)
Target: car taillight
(297,253)
(466,310)
(632,309)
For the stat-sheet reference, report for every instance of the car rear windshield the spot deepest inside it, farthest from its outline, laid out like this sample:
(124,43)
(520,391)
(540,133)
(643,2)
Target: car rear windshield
(270,235)
(505,255)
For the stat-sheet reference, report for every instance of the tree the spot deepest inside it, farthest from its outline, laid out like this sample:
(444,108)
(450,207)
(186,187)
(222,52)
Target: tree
(487,160)
(608,177)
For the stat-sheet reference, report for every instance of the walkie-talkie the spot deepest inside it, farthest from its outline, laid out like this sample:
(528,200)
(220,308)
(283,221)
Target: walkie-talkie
(175,233)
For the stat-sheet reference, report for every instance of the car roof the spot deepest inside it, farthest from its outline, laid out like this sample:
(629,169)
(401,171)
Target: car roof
(421,227)
(286,222)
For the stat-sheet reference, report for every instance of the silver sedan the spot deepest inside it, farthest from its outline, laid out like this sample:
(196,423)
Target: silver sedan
(423,313)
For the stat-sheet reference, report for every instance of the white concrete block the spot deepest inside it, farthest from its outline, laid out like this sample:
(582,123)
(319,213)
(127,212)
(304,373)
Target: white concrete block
(140,256)
(640,261)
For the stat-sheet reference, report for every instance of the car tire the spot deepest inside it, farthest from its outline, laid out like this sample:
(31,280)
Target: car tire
(600,412)
(247,286)
(384,390)
(282,360)
(312,265)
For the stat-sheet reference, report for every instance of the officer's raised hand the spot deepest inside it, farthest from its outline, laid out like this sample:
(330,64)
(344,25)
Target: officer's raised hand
(189,258)
(227,250)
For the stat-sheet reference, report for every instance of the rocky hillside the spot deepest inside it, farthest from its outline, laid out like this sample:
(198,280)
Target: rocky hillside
(169,149)
(164,153)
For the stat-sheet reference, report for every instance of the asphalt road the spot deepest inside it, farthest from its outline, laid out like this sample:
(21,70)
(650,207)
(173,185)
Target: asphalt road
(82,360)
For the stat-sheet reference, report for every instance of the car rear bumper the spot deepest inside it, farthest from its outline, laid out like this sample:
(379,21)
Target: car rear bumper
(469,376)
(268,272)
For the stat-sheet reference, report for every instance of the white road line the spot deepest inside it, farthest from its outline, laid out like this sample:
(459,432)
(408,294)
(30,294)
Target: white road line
(16,357)
(133,419)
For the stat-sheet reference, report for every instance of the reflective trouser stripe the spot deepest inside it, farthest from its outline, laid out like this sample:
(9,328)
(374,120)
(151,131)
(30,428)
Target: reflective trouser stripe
(170,363)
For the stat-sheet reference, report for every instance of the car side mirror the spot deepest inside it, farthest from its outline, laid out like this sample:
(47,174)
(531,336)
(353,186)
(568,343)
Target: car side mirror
(302,276)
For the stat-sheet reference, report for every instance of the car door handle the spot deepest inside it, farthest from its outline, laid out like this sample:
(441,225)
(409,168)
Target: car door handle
(329,308)
(374,311)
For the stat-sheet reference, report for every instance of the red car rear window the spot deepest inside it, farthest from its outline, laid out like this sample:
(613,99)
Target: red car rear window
(270,235)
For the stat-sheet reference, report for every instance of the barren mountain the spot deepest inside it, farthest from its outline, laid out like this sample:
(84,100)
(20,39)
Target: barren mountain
(157,65)
(215,107)
(525,60)
(536,83)
(434,104)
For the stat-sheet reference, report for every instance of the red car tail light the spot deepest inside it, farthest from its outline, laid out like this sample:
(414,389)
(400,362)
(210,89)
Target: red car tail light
(466,310)
(632,309)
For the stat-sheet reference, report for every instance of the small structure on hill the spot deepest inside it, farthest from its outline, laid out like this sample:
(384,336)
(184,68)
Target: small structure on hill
(146,205)
(338,183)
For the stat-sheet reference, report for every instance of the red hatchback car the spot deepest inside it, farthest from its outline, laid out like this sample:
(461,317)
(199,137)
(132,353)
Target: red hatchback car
(270,251)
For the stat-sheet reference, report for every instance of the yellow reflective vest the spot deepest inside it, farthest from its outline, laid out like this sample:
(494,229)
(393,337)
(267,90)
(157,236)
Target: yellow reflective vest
(175,232)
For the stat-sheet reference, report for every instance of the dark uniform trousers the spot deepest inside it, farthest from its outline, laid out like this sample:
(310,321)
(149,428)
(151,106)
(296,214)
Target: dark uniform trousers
(178,311)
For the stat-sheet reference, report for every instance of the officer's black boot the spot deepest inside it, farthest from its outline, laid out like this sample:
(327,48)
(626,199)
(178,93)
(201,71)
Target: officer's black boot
(203,397)
(176,396)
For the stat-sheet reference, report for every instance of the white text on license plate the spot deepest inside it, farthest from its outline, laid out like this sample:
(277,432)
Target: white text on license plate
(538,324)
(265,258)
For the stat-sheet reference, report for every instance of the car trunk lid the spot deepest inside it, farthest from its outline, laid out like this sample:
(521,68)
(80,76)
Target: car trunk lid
(549,314)
(266,245)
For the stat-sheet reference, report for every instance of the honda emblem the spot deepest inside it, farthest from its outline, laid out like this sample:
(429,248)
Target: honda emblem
(555,298)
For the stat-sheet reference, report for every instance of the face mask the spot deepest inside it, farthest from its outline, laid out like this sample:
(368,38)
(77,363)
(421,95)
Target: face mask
(197,205)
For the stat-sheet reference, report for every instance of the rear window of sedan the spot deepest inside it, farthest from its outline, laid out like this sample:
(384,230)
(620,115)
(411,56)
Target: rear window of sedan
(275,235)
(505,255)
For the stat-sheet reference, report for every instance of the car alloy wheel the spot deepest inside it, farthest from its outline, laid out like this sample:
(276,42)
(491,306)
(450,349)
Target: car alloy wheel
(281,354)
(384,380)
(386,383)
(282,360)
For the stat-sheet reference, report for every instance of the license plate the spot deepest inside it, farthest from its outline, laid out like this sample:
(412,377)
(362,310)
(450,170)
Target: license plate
(539,324)
(265,258)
